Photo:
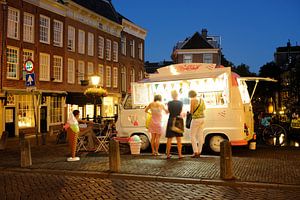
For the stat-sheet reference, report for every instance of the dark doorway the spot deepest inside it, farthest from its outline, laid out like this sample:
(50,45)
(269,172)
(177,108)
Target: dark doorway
(43,118)
(10,121)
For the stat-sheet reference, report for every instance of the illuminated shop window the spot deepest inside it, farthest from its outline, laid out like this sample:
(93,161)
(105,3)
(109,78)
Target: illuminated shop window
(25,111)
(56,109)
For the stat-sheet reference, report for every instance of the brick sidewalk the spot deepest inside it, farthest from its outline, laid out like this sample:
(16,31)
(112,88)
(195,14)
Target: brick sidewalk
(266,165)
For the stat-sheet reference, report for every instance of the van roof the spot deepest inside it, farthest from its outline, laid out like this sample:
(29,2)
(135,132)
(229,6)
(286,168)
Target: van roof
(187,71)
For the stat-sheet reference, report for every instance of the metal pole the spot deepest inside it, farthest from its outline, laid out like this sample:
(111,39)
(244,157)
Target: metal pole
(95,108)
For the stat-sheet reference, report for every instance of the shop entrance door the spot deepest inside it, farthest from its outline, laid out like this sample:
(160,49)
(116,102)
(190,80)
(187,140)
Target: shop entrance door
(10,121)
(43,118)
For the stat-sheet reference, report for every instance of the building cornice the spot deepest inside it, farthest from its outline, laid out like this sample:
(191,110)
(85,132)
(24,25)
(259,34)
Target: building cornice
(81,14)
(86,16)
(133,29)
(196,51)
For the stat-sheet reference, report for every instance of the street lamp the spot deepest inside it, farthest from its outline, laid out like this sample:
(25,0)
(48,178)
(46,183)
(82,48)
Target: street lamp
(95,81)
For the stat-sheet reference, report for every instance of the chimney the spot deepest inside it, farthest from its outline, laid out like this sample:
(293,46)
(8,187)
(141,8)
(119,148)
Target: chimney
(204,33)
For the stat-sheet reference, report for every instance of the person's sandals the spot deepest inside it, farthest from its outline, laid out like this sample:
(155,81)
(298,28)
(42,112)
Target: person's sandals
(169,156)
(195,155)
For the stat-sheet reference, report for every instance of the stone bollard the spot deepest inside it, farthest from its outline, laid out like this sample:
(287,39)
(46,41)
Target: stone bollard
(114,156)
(25,153)
(3,140)
(226,161)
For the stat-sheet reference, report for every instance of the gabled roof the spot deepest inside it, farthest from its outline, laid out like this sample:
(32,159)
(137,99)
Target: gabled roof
(196,42)
(101,7)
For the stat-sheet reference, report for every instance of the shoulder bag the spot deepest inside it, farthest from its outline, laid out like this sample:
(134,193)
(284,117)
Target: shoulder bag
(189,116)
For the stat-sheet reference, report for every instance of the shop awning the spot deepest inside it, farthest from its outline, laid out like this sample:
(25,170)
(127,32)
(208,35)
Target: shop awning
(77,98)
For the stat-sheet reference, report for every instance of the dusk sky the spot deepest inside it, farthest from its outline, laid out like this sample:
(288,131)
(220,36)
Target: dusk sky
(250,30)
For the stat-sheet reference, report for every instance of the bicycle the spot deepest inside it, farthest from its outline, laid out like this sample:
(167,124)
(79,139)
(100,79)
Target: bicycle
(274,135)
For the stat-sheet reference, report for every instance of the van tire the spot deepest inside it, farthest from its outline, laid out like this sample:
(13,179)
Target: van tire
(213,143)
(145,141)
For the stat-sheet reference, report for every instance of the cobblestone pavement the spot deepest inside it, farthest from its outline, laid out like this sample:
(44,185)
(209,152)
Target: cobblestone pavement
(16,185)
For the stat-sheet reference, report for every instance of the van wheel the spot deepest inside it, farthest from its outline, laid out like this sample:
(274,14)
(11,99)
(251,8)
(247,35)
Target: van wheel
(214,143)
(145,142)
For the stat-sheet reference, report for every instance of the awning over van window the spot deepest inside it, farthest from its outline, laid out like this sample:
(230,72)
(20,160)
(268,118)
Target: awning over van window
(187,76)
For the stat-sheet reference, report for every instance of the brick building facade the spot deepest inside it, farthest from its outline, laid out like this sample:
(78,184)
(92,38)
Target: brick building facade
(68,41)
(199,48)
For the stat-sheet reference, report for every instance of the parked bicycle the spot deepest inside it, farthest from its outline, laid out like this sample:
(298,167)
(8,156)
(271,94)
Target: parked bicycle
(273,133)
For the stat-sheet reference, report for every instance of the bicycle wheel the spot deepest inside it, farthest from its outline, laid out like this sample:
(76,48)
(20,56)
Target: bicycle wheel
(274,135)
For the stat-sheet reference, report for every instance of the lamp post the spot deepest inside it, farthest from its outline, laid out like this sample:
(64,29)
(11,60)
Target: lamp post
(95,81)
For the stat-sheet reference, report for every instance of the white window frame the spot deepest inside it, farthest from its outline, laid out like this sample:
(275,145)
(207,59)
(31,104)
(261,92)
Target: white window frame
(123,45)
(91,44)
(115,51)
(100,47)
(141,75)
(58,28)
(44,29)
(108,49)
(123,79)
(81,71)
(28,27)
(115,77)
(101,74)
(207,58)
(13,23)
(57,68)
(71,38)
(132,75)
(44,67)
(140,49)
(132,48)
(90,72)
(81,41)
(12,55)
(27,54)
(108,76)
(187,58)
(71,71)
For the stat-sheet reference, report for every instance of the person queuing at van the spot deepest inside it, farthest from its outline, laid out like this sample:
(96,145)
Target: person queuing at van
(174,108)
(197,108)
(155,126)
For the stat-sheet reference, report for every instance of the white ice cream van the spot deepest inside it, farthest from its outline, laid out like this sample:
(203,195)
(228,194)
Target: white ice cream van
(228,112)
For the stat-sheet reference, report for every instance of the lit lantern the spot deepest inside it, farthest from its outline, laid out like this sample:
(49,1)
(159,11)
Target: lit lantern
(270,106)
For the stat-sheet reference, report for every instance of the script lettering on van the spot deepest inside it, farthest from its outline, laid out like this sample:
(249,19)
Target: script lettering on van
(194,67)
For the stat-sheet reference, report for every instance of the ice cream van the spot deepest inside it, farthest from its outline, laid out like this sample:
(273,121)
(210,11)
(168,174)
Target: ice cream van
(228,112)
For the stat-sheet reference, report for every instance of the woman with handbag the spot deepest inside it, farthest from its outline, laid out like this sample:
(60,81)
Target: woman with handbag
(155,126)
(197,109)
(174,108)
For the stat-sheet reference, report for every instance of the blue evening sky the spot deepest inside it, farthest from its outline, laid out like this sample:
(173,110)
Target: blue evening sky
(250,30)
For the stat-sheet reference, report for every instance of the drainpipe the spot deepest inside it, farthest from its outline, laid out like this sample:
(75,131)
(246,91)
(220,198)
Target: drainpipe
(4,33)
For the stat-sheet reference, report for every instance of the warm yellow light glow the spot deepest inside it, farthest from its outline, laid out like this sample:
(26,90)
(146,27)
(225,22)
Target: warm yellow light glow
(95,80)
